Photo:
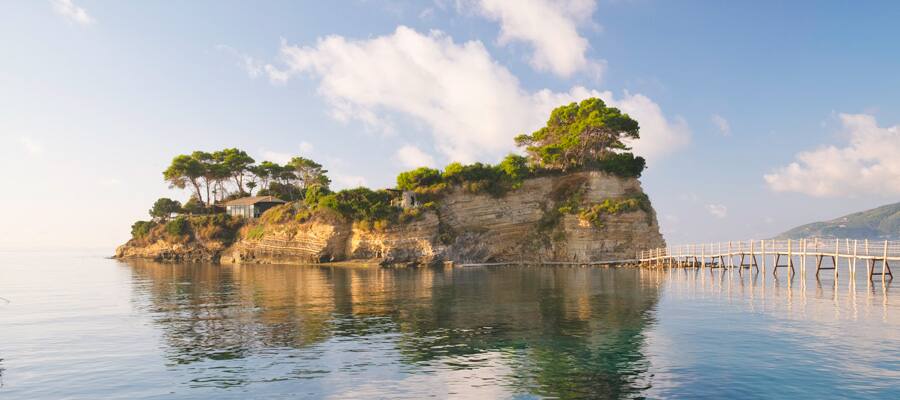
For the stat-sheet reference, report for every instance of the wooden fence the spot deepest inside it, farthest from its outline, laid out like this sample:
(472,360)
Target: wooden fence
(775,254)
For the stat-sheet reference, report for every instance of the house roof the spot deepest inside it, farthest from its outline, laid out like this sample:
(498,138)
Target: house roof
(246,201)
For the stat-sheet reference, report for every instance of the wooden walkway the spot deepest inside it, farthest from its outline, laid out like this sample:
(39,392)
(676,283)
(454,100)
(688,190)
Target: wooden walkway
(558,263)
(827,254)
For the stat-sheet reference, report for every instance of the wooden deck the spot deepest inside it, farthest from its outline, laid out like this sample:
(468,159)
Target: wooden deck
(826,254)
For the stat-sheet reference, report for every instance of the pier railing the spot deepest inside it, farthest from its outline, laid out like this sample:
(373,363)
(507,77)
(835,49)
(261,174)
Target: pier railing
(758,253)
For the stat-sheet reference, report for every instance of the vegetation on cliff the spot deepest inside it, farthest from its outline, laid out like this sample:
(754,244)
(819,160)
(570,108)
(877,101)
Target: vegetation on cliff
(577,137)
(220,228)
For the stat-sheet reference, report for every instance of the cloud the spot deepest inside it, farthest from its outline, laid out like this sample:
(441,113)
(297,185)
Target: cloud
(867,164)
(717,210)
(306,148)
(472,105)
(31,146)
(721,124)
(276,157)
(412,157)
(346,181)
(70,11)
(253,67)
(550,28)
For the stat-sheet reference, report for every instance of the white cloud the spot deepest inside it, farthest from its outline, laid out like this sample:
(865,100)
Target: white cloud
(76,14)
(868,164)
(472,105)
(412,157)
(31,146)
(346,181)
(721,124)
(717,210)
(276,157)
(253,67)
(550,28)
(306,148)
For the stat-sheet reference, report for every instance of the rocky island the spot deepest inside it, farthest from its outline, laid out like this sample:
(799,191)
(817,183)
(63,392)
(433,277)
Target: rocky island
(575,197)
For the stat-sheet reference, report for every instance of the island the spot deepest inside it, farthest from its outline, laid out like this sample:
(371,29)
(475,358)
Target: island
(574,197)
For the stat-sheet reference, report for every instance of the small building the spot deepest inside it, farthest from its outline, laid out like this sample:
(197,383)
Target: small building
(405,198)
(251,207)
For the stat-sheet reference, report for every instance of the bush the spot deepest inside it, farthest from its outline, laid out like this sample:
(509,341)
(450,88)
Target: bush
(256,232)
(622,164)
(361,204)
(417,178)
(515,168)
(314,194)
(595,213)
(178,227)
(194,206)
(163,208)
(215,227)
(141,229)
(286,192)
(278,214)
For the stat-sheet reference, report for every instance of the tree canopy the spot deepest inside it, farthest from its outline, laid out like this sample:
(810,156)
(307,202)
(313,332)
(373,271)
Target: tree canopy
(579,135)
(163,208)
(230,173)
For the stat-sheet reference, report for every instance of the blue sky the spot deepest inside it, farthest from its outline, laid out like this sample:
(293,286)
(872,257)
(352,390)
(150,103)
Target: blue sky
(755,117)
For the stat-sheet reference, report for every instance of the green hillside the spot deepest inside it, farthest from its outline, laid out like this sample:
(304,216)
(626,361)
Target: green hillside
(878,223)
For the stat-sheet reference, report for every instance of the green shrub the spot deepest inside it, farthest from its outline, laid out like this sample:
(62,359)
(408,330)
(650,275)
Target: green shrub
(163,208)
(256,232)
(595,213)
(361,204)
(194,206)
(178,227)
(314,194)
(419,177)
(626,165)
(278,214)
(141,229)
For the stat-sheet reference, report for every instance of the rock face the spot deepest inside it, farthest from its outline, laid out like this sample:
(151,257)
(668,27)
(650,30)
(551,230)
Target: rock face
(523,225)
(161,250)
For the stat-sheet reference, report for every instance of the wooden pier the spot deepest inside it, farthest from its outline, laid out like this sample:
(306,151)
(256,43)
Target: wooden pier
(826,254)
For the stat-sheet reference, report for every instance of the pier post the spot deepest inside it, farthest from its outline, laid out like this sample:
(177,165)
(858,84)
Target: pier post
(837,252)
(790,259)
(853,268)
(763,245)
(702,256)
(730,256)
(870,263)
(803,257)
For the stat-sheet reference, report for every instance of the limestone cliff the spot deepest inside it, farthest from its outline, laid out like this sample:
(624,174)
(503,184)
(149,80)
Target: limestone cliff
(535,222)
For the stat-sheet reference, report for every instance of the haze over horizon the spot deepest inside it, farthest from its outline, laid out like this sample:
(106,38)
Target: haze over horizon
(755,118)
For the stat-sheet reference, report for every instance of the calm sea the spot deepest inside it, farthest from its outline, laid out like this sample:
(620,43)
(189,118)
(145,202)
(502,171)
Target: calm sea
(76,325)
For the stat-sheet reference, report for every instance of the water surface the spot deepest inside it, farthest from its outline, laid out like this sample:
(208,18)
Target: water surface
(80,326)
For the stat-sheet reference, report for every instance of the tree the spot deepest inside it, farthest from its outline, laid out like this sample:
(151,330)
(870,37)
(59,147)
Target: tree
(515,167)
(419,177)
(308,172)
(579,135)
(185,170)
(163,208)
(194,206)
(235,163)
(264,172)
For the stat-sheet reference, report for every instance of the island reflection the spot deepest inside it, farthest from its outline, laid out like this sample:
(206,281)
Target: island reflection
(559,332)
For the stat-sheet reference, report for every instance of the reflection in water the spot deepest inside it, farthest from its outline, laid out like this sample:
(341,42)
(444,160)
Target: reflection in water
(545,331)
(104,329)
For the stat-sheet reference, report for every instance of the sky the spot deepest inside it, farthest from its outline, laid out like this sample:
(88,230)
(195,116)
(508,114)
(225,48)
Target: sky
(755,117)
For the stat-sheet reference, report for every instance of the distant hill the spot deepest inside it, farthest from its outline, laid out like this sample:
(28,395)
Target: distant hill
(878,223)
